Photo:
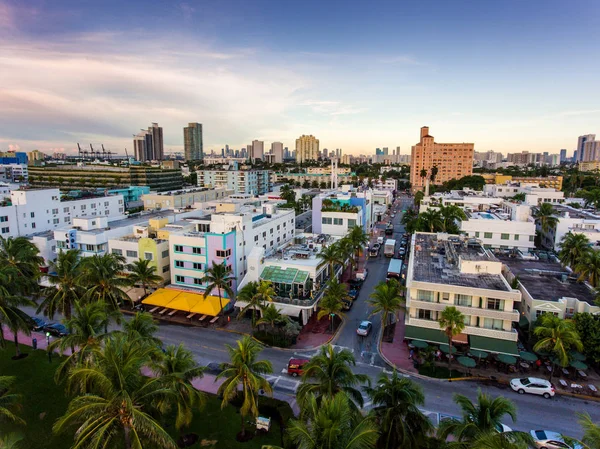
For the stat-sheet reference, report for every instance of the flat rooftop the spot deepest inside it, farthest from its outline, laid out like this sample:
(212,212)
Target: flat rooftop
(574,213)
(437,261)
(548,280)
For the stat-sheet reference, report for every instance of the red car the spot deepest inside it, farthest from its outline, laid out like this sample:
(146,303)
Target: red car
(295,366)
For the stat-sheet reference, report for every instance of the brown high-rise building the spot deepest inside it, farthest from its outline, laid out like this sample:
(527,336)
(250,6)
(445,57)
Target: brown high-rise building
(453,160)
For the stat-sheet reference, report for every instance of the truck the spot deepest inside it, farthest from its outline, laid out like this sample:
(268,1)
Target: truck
(390,248)
(394,269)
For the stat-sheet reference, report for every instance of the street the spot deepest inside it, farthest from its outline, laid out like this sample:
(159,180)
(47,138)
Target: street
(534,412)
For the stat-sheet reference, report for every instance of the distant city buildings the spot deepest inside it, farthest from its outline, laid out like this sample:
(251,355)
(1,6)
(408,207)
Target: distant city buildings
(581,148)
(277,152)
(307,149)
(453,160)
(148,145)
(240,181)
(193,146)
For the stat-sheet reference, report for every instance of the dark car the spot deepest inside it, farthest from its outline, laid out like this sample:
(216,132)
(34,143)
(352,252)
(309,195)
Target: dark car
(355,284)
(401,253)
(37,324)
(56,329)
(353,293)
(346,304)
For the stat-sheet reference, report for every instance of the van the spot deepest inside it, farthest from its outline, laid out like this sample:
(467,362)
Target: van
(380,240)
(295,367)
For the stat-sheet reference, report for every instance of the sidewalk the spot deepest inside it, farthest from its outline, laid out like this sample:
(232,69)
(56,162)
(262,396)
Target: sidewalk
(27,340)
(397,352)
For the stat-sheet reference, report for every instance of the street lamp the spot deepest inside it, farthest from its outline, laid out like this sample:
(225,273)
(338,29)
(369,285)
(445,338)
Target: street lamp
(48,347)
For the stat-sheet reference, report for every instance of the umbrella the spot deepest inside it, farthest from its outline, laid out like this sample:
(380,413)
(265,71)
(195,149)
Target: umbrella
(555,361)
(467,362)
(477,353)
(446,349)
(577,356)
(508,359)
(528,356)
(419,344)
(578,364)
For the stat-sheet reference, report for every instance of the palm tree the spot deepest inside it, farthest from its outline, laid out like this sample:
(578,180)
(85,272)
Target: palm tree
(573,247)
(331,255)
(358,239)
(450,215)
(265,292)
(452,322)
(253,302)
(11,441)
(332,423)
(11,302)
(178,368)
(481,422)
(330,372)
(431,220)
(418,198)
(218,277)
(409,220)
(115,403)
(592,197)
(544,216)
(386,300)
(346,252)
(24,257)
(558,336)
(143,327)
(396,402)
(332,302)
(65,290)
(141,272)
(246,371)
(589,268)
(271,316)
(591,432)
(102,276)
(10,402)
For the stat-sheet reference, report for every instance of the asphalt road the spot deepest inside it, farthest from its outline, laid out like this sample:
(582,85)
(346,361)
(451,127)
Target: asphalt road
(558,413)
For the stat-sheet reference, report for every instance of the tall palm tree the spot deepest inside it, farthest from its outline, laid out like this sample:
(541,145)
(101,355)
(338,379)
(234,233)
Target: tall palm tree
(271,316)
(248,294)
(591,432)
(545,217)
(386,300)
(178,369)
(65,290)
(558,336)
(11,302)
(346,252)
(430,220)
(265,292)
(331,255)
(573,247)
(103,278)
(24,257)
(481,422)
(589,268)
(332,423)
(450,215)
(219,277)
(409,220)
(418,198)
(246,371)
(452,322)
(144,274)
(396,402)
(332,302)
(330,372)
(143,327)
(10,403)
(115,403)
(358,239)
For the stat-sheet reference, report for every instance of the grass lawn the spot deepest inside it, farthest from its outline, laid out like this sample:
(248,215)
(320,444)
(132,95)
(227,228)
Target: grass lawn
(44,402)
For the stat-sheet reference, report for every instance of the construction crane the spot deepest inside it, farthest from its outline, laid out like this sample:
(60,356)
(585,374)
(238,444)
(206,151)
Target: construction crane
(82,153)
(109,153)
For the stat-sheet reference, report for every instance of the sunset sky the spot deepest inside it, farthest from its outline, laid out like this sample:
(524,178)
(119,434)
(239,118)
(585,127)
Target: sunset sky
(506,75)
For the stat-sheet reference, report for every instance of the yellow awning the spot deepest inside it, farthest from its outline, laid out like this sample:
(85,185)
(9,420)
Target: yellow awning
(161,297)
(209,306)
(185,301)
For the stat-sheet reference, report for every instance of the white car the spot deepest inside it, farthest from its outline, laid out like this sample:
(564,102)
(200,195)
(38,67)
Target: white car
(533,385)
(546,439)
(364,328)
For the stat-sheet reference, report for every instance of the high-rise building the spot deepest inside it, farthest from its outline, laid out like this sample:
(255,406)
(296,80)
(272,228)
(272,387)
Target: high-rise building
(277,151)
(581,156)
(257,150)
(192,142)
(591,151)
(385,151)
(453,160)
(307,148)
(142,146)
(158,148)
(563,155)
(378,152)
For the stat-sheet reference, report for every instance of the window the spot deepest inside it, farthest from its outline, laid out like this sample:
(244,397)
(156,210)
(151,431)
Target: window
(197,281)
(504,236)
(488,235)
(495,304)
(445,296)
(197,250)
(83,207)
(67,219)
(55,211)
(93,205)
(264,235)
(516,237)
(106,204)
(33,225)
(490,323)
(178,248)
(531,238)
(326,220)
(256,238)
(338,221)
(148,256)
(66,210)
(179,264)
(223,252)
(3,219)
(165,253)
(32,214)
(198,266)
(132,253)
(5,230)
(166,268)
(541,312)
(179,278)
(424,314)
(464,300)
(467,320)
(118,252)
(351,223)
(477,234)
(424,295)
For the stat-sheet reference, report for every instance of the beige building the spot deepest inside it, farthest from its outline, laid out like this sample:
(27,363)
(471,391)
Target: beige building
(35,155)
(183,199)
(554,182)
(453,160)
(307,148)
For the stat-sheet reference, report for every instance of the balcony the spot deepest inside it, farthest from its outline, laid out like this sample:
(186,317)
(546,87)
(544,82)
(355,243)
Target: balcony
(512,315)
(480,331)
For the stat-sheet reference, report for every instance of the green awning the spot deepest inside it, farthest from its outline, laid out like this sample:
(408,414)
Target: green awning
(280,275)
(493,345)
(523,321)
(425,334)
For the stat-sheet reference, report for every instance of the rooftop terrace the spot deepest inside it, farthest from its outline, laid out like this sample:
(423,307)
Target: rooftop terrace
(437,260)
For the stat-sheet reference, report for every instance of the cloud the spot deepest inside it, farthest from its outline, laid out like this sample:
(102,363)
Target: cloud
(331,108)
(14,147)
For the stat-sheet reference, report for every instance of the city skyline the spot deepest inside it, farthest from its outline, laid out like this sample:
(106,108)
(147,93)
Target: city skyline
(93,73)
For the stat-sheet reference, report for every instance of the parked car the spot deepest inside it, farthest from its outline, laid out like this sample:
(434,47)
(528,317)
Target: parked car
(402,253)
(362,274)
(533,385)
(355,284)
(295,366)
(353,293)
(56,329)
(347,304)
(364,328)
(376,246)
(380,240)
(546,439)
(37,324)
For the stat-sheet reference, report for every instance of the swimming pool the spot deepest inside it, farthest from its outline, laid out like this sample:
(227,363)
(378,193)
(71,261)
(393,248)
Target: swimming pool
(486,215)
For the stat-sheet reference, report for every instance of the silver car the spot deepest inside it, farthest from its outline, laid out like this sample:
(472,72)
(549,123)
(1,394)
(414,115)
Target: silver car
(364,328)
(546,439)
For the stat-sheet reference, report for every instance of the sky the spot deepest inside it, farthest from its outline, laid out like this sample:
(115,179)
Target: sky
(507,75)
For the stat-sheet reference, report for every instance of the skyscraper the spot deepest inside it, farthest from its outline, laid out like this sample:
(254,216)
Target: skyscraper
(158,149)
(277,151)
(142,146)
(307,148)
(563,155)
(581,156)
(385,151)
(192,142)
(257,150)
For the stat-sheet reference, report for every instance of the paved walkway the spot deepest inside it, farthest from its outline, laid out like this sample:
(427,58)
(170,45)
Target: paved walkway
(397,352)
